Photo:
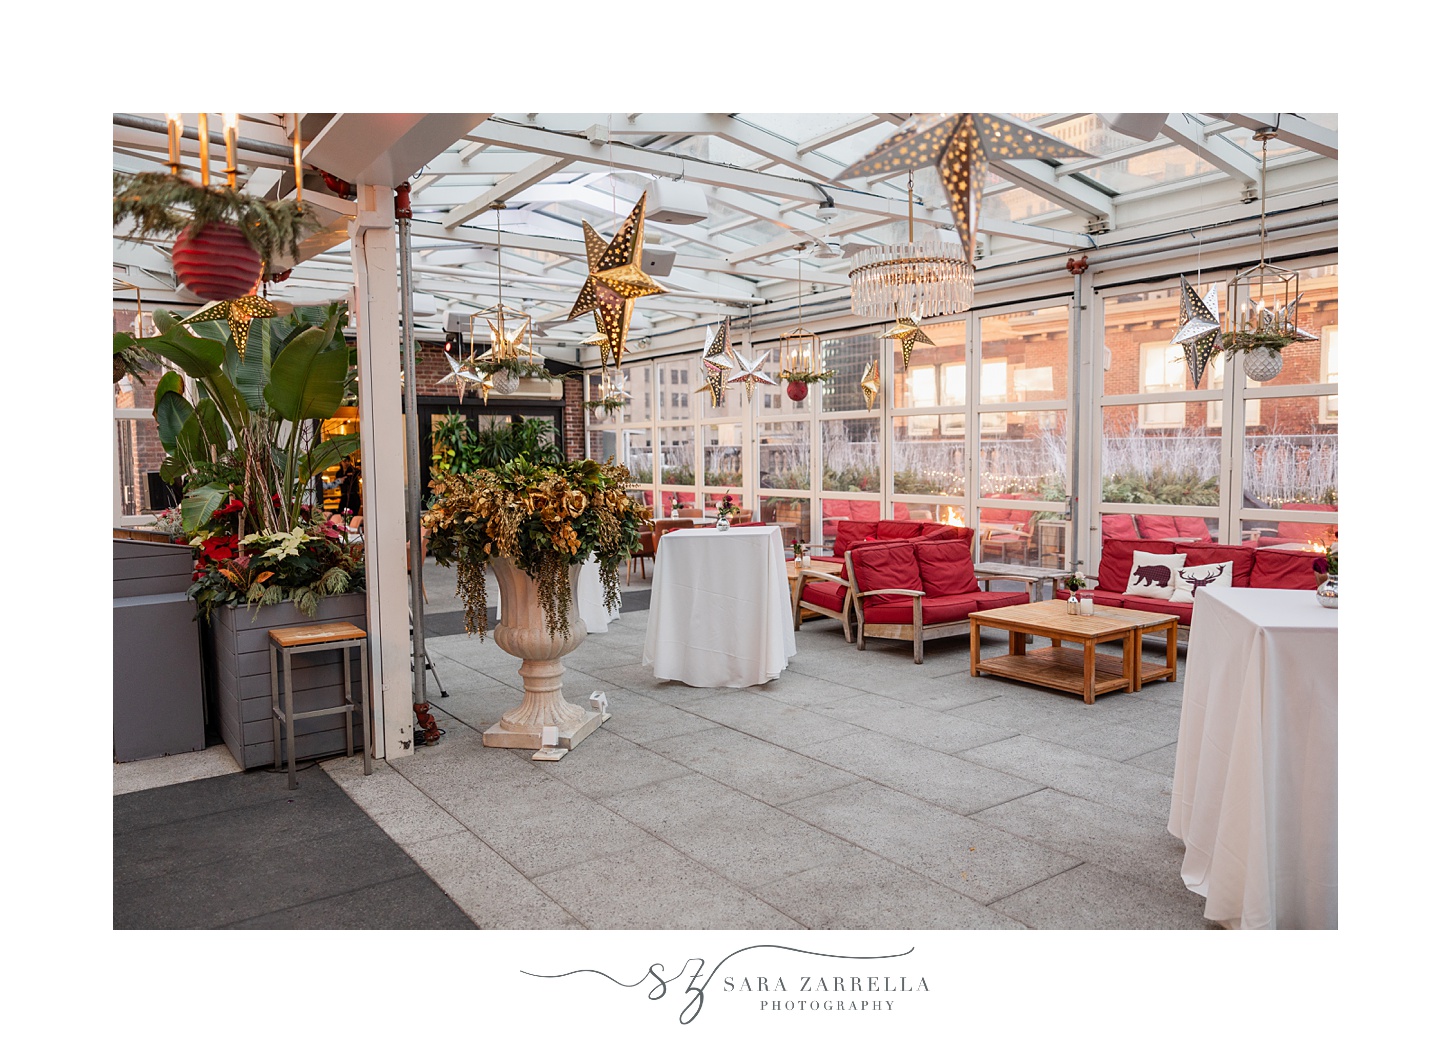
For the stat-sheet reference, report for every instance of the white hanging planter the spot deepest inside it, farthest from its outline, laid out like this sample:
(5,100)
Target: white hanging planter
(1262,364)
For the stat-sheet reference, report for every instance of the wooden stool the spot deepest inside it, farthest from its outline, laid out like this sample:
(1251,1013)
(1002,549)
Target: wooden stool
(317,637)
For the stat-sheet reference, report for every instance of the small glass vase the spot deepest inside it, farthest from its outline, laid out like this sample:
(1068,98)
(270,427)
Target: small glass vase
(722,523)
(1072,603)
(675,512)
(1328,593)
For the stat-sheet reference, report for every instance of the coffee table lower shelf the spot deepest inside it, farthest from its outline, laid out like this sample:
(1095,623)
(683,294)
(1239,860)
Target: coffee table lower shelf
(1062,668)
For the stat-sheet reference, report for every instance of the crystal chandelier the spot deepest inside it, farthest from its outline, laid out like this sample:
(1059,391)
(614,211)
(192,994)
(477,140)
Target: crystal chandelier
(912,278)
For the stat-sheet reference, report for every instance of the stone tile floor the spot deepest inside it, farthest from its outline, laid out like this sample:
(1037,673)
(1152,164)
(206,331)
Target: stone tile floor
(857,791)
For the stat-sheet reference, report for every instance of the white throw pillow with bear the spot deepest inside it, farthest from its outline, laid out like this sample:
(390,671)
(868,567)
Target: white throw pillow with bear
(1153,575)
(1191,579)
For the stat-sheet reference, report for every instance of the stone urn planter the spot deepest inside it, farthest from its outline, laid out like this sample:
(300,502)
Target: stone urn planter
(241,686)
(523,632)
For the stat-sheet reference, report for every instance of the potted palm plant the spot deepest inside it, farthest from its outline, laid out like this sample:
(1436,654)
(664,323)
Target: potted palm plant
(246,449)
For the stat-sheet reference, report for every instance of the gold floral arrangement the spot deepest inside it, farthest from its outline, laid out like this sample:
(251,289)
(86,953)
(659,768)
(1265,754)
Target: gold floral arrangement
(545,519)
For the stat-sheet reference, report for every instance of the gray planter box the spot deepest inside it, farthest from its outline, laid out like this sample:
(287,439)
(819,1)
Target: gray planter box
(156,670)
(238,648)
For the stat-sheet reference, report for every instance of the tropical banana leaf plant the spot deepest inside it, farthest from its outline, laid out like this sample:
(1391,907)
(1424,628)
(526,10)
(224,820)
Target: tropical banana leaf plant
(252,432)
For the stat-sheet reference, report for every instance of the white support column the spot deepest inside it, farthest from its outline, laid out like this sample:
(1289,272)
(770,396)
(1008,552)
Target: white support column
(375,274)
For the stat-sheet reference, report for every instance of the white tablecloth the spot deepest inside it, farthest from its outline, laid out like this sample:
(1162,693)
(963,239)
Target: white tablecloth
(591,595)
(720,608)
(1255,798)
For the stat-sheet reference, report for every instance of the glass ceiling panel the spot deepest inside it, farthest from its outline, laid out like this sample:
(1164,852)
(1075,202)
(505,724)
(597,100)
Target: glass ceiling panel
(799,126)
(1160,167)
(1018,204)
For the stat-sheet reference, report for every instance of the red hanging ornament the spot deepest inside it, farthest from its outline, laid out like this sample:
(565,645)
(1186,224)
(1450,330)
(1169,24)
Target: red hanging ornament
(796,390)
(216,262)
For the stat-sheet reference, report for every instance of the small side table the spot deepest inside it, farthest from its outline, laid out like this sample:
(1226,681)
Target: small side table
(317,637)
(1057,552)
(1031,576)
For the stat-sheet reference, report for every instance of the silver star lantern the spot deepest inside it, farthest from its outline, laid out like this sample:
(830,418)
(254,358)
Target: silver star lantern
(872,383)
(960,145)
(1199,330)
(718,353)
(909,333)
(461,375)
(752,373)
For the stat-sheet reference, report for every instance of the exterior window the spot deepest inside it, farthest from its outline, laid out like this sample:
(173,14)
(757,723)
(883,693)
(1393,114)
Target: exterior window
(1161,368)
(1330,373)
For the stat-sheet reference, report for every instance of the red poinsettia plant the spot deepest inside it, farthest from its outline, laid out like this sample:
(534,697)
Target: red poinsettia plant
(1328,564)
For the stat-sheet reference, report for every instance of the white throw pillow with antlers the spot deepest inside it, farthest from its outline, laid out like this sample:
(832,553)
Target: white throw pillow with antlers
(1153,575)
(1191,580)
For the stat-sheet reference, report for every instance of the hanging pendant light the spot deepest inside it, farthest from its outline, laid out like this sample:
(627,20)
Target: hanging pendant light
(1264,301)
(912,278)
(800,351)
(507,346)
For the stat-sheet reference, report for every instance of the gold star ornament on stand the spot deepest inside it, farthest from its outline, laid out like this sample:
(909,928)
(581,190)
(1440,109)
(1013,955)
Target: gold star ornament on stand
(909,333)
(872,383)
(615,280)
(238,315)
(960,145)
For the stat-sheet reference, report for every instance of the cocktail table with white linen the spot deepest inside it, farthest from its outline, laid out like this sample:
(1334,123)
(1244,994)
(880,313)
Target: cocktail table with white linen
(1255,778)
(720,608)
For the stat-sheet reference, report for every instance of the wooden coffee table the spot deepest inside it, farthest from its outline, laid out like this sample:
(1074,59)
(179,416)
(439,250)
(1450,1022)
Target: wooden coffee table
(1086,672)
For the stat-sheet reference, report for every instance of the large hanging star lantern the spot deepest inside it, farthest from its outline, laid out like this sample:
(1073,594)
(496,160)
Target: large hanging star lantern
(752,373)
(1199,330)
(872,383)
(615,280)
(238,315)
(960,145)
(717,358)
(909,333)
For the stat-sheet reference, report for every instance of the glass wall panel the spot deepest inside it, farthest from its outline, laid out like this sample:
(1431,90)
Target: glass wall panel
(1291,456)
(936,375)
(847,357)
(851,455)
(639,450)
(1024,356)
(722,456)
(921,510)
(677,455)
(1176,465)
(784,454)
(846,507)
(926,459)
(637,381)
(1024,454)
(676,391)
(604,445)
(793,514)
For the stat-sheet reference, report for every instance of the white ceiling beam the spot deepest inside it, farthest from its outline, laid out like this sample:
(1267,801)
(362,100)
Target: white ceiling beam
(531,175)
(1183,131)
(1293,130)
(385,148)
(1041,178)
(846,130)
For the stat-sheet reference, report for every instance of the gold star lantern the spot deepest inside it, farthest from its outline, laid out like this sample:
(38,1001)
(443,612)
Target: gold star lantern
(960,145)
(615,280)
(238,315)
(872,383)
(909,333)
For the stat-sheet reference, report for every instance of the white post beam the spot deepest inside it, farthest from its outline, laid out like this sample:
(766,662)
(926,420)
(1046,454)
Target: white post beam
(380,407)
(1293,130)
(1181,130)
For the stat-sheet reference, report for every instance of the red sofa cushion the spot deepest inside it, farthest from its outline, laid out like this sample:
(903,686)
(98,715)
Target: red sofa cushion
(1241,554)
(1156,526)
(1193,528)
(1183,609)
(885,566)
(1284,569)
(889,529)
(1003,516)
(1308,532)
(946,567)
(1118,527)
(946,609)
(850,533)
(825,595)
(864,510)
(1117,561)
